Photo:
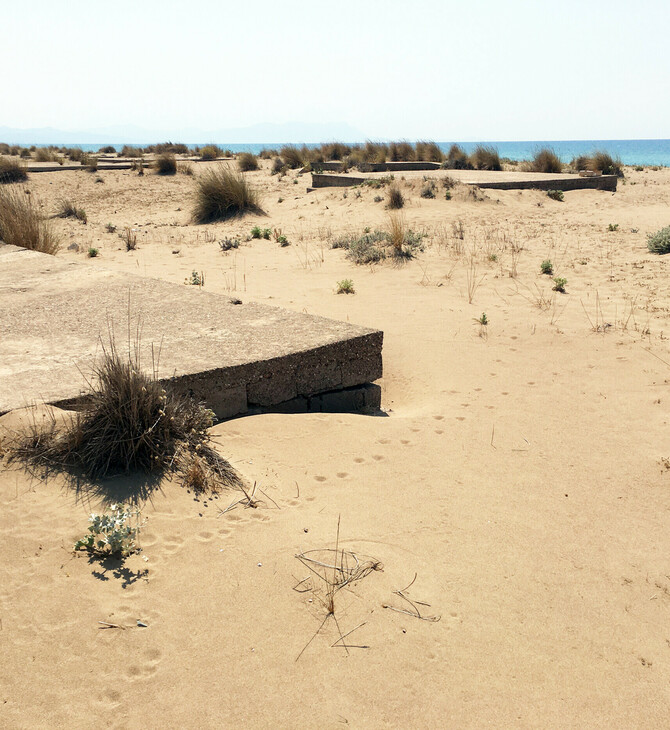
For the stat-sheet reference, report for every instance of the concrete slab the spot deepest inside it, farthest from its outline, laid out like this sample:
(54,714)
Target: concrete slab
(55,315)
(482,179)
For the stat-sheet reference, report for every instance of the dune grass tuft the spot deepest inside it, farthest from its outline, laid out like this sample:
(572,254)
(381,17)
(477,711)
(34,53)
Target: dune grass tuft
(67,209)
(130,423)
(291,156)
(457,159)
(602,161)
(210,152)
(247,162)
(221,194)
(22,224)
(396,199)
(12,171)
(546,160)
(485,158)
(166,164)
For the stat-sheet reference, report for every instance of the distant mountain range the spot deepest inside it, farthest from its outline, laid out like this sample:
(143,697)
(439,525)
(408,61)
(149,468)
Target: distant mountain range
(289,132)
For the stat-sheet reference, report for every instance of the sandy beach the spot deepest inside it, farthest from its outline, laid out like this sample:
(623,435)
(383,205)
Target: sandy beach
(518,479)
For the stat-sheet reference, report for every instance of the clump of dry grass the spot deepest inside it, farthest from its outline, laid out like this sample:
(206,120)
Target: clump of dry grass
(428,151)
(602,161)
(396,199)
(546,160)
(22,224)
(396,232)
(485,158)
(222,194)
(210,152)
(67,209)
(43,154)
(130,423)
(166,164)
(457,159)
(247,162)
(291,156)
(12,171)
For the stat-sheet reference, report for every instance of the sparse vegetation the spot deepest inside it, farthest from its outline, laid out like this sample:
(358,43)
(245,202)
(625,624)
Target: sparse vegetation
(556,195)
(67,209)
(22,224)
(546,267)
(659,242)
(613,227)
(196,279)
(12,171)
(429,189)
(93,252)
(166,164)
(222,194)
(129,237)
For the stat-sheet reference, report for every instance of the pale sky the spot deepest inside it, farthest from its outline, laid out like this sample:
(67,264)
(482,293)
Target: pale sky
(470,70)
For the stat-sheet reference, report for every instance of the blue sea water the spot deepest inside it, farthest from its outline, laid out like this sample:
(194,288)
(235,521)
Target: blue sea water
(629,151)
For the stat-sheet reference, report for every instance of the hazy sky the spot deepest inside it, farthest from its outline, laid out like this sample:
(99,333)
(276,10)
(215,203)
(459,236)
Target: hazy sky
(470,70)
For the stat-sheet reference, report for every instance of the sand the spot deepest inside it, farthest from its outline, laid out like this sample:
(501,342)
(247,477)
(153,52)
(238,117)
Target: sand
(519,477)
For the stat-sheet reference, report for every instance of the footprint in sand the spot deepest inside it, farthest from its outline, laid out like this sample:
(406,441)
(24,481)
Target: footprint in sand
(404,442)
(342,474)
(439,431)
(438,418)
(320,478)
(383,441)
(460,418)
(205,536)
(377,457)
(359,460)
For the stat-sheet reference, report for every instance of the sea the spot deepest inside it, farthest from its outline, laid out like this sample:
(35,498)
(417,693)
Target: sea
(629,151)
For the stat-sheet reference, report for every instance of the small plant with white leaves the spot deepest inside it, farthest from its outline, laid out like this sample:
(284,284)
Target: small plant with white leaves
(112,534)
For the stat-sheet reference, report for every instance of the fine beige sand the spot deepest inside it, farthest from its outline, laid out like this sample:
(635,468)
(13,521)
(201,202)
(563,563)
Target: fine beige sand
(520,478)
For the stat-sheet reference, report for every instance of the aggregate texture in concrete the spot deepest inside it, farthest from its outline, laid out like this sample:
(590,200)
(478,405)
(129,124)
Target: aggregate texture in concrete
(56,316)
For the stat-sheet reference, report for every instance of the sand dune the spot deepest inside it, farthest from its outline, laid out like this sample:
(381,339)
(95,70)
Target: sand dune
(518,477)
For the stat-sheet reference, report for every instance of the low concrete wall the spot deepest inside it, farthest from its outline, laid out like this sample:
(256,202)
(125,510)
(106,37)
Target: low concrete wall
(574,182)
(335,181)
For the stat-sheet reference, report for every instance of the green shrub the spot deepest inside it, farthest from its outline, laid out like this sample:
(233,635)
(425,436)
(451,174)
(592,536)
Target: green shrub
(12,171)
(93,252)
(166,164)
(559,284)
(107,150)
(613,227)
(346,286)
(22,224)
(485,158)
(555,195)
(278,166)
(659,242)
(247,162)
(222,194)
(112,534)
(256,232)
(546,267)
(396,199)
(546,160)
